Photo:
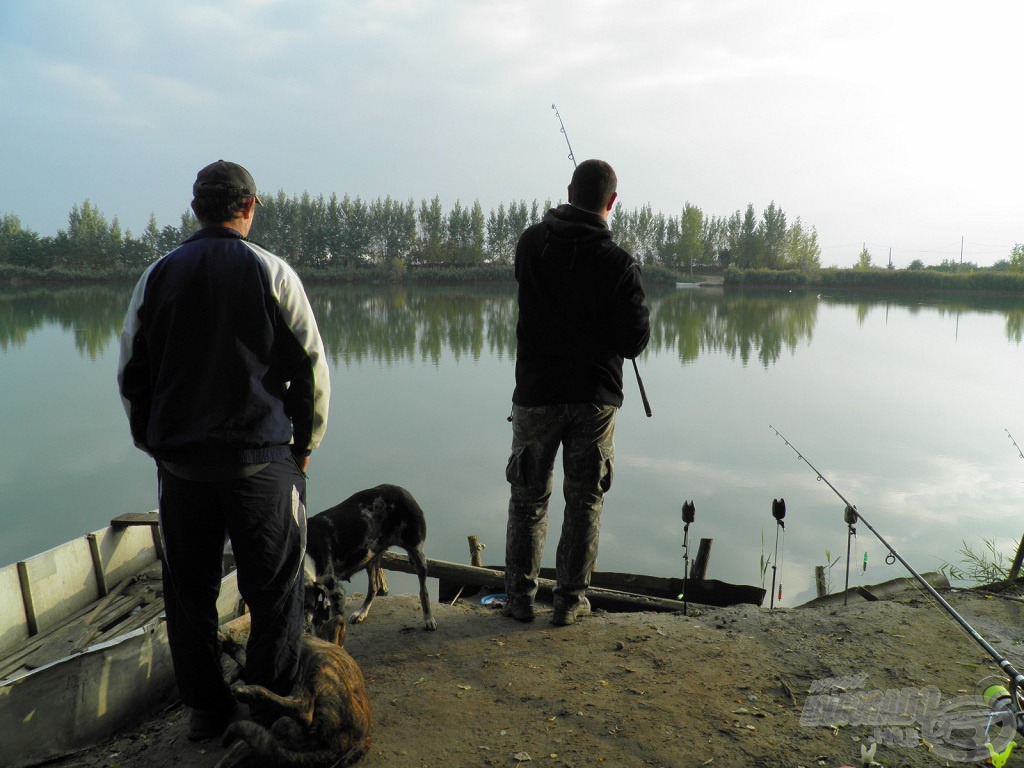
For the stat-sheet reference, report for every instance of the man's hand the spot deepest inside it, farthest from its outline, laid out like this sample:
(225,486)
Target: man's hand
(302,462)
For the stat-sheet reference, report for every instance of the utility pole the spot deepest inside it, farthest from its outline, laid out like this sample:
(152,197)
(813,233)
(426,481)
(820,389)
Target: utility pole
(961,250)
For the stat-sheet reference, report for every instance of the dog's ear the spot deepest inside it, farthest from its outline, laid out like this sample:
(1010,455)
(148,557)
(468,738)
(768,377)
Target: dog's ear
(334,631)
(317,604)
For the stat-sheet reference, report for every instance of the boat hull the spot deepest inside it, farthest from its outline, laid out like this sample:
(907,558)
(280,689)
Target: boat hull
(71,681)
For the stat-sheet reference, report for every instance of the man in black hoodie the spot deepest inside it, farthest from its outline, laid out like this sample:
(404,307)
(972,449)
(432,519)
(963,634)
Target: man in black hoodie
(581,311)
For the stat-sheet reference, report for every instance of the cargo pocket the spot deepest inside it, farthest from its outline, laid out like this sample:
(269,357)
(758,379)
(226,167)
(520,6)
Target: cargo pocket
(607,471)
(515,471)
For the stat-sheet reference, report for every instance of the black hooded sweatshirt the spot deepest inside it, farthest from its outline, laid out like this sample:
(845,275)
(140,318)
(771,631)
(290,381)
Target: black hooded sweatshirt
(581,311)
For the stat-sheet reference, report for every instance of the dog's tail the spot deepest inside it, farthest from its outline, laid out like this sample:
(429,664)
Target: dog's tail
(265,747)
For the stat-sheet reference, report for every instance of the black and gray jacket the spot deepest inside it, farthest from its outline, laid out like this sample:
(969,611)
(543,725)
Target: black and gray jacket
(581,311)
(221,359)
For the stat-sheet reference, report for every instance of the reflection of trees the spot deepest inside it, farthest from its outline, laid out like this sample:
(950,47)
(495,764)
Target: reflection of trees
(945,304)
(744,325)
(395,323)
(92,314)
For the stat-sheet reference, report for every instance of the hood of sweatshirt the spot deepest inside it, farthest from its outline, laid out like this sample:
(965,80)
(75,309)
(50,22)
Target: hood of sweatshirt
(569,230)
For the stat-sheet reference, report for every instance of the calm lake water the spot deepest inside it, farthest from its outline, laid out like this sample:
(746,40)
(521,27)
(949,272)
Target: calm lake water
(903,404)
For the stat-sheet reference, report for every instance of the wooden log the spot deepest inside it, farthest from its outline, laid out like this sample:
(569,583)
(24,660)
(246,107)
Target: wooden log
(487,577)
(699,569)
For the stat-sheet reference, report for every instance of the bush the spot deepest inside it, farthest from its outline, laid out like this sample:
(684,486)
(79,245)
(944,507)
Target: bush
(788,278)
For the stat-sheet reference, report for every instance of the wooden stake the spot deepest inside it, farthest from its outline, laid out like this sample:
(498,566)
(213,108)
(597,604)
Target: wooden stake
(1018,558)
(699,569)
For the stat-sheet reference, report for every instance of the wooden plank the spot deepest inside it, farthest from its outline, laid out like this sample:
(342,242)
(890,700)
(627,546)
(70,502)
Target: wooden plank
(97,563)
(142,618)
(125,551)
(13,626)
(101,606)
(26,599)
(468,574)
(62,581)
(73,636)
(12,660)
(135,518)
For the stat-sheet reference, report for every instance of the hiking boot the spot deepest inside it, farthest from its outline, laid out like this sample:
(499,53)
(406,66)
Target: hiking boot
(567,613)
(520,610)
(206,724)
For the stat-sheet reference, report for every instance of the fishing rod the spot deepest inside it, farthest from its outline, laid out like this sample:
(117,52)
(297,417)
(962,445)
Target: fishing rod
(636,370)
(1019,451)
(779,513)
(1012,701)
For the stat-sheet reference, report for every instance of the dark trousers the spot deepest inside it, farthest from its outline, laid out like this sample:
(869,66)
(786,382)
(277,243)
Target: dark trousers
(585,433)
(265,517)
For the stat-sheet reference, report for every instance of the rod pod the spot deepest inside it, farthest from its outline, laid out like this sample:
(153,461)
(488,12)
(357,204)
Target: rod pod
(1016,680)
(689,515)
(779,513)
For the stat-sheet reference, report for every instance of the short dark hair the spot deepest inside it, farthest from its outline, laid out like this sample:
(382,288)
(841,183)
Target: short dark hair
(593,184)
(217,209)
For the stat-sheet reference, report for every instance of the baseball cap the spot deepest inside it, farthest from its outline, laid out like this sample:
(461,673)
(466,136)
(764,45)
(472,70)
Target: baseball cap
(224,177)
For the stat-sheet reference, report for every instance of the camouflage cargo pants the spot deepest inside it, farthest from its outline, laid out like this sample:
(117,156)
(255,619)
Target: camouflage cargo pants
(585,432)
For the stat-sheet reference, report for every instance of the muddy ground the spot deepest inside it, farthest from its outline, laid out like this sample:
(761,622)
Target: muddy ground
(741,686)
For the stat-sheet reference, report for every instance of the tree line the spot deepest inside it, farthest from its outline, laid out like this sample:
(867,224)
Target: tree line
(351,232)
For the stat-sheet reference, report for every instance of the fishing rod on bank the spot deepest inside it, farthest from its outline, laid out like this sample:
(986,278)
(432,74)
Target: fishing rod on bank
(689,515)
(1012,701)
(779,513)
(636,370)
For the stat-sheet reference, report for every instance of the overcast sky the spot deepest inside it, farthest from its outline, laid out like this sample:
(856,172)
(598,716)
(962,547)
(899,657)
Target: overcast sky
(895,124)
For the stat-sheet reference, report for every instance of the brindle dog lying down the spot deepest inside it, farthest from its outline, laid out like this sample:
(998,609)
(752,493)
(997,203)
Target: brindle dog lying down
(326,723)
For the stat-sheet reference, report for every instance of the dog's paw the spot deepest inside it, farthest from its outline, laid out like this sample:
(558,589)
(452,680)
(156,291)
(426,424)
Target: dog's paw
(430,624)
(357,618)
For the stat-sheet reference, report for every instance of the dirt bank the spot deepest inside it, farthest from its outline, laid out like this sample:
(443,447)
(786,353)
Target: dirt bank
(728,687)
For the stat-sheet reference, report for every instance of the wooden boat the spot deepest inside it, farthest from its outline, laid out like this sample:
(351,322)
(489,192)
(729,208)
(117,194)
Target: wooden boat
(609,591)
(83,645)
(873,592)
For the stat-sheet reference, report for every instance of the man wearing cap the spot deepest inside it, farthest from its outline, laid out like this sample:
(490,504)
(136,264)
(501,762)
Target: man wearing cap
(224,379)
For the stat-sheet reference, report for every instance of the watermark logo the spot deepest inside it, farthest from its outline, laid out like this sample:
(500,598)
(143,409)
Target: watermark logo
(959,729)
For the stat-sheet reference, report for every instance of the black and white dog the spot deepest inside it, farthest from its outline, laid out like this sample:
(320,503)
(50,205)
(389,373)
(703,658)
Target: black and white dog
(353,536)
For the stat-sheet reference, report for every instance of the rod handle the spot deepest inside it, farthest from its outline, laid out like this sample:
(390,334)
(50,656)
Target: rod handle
(643,392)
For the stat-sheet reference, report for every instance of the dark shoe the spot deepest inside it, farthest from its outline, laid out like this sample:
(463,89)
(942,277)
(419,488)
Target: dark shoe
(567,613)
(206,724)
(520,610)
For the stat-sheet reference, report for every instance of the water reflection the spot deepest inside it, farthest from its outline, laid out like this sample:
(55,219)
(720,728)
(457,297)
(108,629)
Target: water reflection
(92,314)
(391,324)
